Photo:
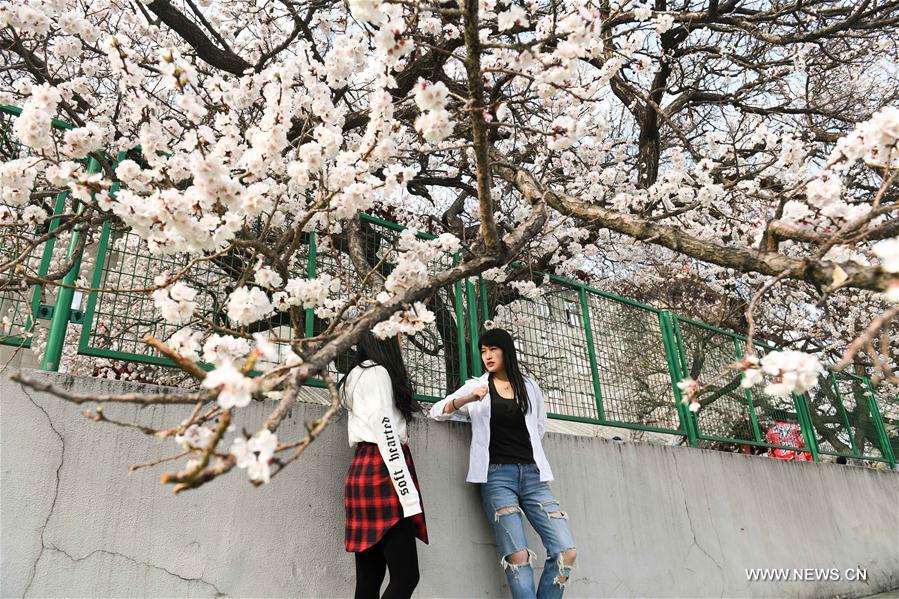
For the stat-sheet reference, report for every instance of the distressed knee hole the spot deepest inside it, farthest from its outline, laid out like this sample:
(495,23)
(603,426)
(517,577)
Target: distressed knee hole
(505,511)
(516,560)
(564,563)
(553,510)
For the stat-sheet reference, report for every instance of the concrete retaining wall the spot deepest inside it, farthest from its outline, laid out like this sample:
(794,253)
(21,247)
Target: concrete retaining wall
(648,520)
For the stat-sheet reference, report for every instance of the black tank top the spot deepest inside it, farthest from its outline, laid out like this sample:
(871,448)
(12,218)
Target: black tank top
(510,442)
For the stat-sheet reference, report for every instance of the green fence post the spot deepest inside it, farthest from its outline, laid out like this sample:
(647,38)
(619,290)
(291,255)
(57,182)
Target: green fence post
(747,393)
(58,208)
(96,281)
(878,424)
(806,425)
(594,370)
(677,368)
(63,308)
(97,277)
(311,269)
(473,328)
(459,308)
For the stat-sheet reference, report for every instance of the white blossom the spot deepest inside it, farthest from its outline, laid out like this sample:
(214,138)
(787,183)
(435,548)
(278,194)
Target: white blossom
(196,436)
(434,125)
(752,375)
(430,96)
(663,22)
(177,303)
(825,189)
(366,10)
(33,125)
(791,371)
(235,389)
(514,17)
(528,289)
(16,180)
(408,321)
(409,273)
(81,141)
(219,349)
(311,293)
(888,252)
(892,291)
(34,216)
(265,349)
(246,305)
(186,342)
(268,278)
(642,12)
(256,454)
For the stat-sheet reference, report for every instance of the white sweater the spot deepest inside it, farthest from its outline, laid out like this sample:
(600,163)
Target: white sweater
(374,418)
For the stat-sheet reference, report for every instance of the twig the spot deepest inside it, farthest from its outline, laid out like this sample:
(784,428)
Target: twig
(183,363)
(866,336)
(135,467)
(99,416)
(138,398)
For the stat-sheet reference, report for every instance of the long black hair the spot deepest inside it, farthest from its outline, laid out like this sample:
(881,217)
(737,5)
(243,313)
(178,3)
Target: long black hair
(502,339)
(386,353)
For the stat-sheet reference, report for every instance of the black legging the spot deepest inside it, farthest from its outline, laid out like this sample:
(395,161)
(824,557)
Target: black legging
(395,551)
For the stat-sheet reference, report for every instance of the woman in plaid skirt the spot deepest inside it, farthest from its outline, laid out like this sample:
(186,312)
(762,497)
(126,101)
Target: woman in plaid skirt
(384,511)
(508,419)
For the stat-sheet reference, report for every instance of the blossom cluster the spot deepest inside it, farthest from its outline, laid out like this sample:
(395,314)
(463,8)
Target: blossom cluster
(255,454)
(434,123)
(408,321)
(790,371)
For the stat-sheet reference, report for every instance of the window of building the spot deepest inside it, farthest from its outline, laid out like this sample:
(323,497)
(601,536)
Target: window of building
(543,308)
(573,314)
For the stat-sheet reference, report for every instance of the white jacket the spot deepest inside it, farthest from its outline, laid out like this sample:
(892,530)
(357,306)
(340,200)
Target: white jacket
(478,413)
(374,417)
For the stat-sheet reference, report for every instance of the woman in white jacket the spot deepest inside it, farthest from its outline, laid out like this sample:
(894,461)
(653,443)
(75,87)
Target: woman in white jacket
(508,419)
(384,512)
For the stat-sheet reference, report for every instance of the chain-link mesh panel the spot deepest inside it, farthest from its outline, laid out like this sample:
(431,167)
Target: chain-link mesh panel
(634,377)
(551,344)
(555,349)
(829,419)
(19,303)
(123,313)
(886,396)
(332,260)
(854,393)
(724,414)
(432,356)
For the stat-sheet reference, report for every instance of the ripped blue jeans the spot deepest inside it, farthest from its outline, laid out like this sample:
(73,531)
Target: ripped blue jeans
(513,490)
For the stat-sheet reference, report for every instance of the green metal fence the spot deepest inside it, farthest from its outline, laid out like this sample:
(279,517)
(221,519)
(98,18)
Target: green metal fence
(20,307)
(885,406)
(846,419)
(600,358)
(732,415)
